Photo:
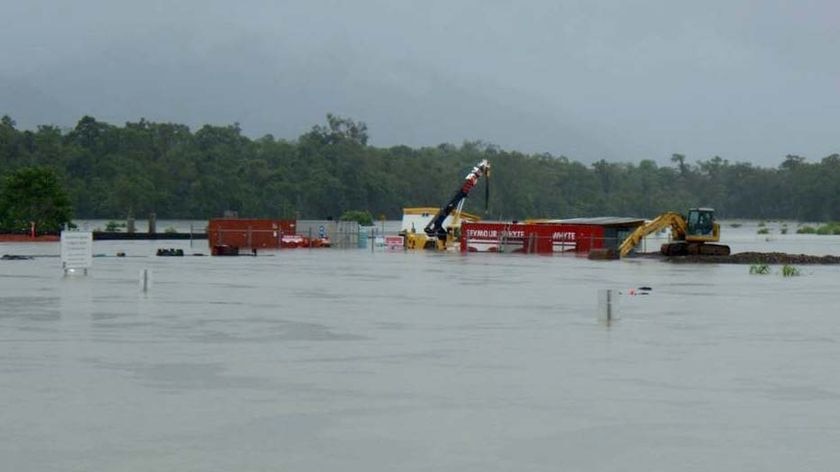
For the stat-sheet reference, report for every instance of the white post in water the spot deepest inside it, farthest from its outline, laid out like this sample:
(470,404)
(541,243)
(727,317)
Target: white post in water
(607,306)
(145,280)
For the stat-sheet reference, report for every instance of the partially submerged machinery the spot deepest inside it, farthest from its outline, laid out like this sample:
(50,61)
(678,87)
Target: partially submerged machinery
(437,235)
(690,235)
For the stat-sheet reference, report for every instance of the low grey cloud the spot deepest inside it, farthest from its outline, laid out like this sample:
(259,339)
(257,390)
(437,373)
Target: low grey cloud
(746,80)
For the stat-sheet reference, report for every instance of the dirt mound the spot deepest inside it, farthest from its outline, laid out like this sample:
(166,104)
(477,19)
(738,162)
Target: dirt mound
(759,258)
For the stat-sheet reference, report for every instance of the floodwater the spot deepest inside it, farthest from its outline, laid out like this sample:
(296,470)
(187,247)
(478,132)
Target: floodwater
(319,360)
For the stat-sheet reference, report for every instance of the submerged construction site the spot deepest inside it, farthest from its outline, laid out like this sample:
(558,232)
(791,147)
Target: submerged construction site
(692,237)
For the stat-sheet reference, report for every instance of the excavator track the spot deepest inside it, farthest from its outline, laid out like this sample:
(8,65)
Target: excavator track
(679,248)
(707,249)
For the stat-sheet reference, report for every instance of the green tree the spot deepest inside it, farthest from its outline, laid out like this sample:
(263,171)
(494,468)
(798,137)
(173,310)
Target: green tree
(33,195)
(340,129)
(142,166)
(679,159)
(363,217)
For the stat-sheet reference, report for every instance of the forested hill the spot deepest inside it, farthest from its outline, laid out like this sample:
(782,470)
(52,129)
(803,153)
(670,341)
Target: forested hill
(142,167)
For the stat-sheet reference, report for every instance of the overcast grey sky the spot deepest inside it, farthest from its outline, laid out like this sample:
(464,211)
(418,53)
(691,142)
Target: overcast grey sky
(621,80)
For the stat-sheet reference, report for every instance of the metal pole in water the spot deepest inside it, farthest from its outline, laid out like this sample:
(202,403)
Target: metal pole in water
(144,280)
(607,311)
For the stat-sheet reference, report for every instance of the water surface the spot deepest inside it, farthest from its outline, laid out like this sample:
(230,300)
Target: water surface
(314,360)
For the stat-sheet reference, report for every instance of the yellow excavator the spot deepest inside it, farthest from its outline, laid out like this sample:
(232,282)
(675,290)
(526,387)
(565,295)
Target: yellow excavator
(691,235)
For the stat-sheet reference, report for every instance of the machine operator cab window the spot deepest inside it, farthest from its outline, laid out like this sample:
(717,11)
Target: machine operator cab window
(700,222)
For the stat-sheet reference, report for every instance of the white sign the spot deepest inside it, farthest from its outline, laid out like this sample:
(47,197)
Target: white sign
(76,249)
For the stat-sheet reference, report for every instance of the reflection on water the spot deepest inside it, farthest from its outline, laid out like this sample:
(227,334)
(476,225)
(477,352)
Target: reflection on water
(348,360)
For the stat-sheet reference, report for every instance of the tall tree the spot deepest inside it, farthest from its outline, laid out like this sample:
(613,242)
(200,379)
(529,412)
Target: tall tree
(33,195)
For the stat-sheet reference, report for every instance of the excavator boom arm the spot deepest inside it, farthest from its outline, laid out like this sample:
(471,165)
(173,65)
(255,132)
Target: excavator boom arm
(669,219)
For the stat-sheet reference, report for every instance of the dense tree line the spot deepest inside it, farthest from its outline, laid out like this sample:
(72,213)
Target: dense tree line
(112,171)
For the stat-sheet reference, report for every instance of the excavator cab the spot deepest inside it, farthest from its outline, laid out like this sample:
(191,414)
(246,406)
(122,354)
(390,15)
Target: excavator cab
(700,222)
(701,227)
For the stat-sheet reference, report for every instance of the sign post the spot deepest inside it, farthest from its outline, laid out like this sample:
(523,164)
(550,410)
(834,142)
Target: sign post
(76,250)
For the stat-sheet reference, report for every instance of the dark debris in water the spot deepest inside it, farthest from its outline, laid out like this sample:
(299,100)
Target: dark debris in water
(12,257)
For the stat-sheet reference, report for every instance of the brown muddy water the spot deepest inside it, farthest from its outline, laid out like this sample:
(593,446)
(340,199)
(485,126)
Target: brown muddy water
(315,360)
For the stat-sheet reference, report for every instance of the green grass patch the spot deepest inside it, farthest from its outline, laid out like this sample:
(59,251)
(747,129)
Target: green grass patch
(114,226)
(829,228)
(790,271)
(832,228)
(759,269)
(763,231)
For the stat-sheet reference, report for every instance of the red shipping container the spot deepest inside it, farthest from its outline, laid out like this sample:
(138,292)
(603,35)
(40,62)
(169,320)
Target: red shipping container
(540,238)
(492,236)
(249,233)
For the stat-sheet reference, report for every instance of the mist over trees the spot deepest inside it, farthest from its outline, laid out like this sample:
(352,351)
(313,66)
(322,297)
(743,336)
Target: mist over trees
(114,171)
